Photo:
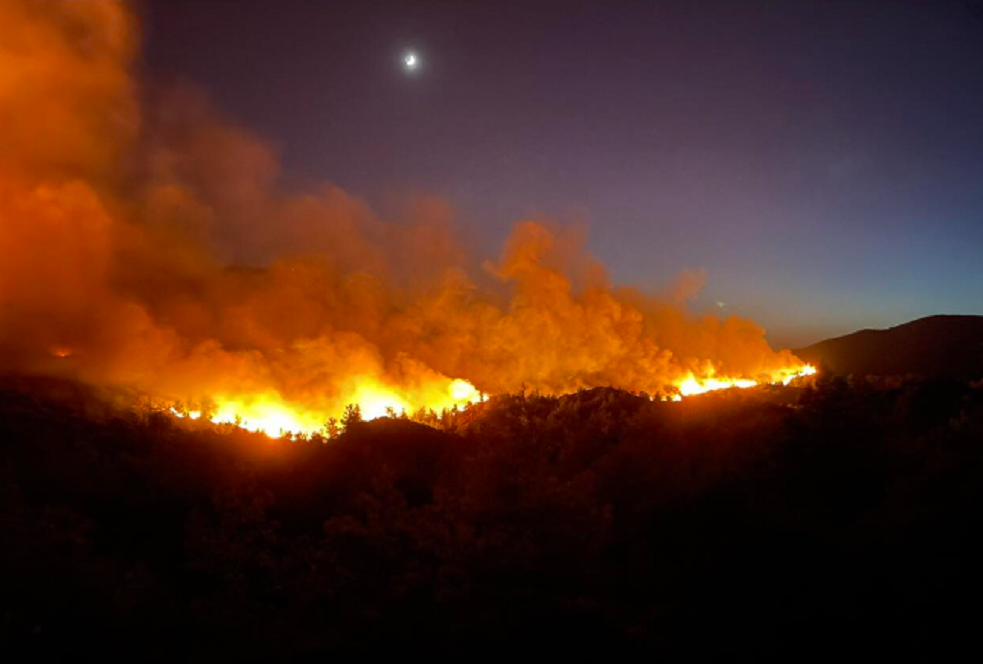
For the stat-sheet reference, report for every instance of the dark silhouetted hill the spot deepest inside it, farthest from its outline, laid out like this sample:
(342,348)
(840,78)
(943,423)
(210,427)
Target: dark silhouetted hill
(932,347)
(830,514)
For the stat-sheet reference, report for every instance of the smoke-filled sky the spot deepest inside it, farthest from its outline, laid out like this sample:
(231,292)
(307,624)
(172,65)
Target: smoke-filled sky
(156,246)
(822,162)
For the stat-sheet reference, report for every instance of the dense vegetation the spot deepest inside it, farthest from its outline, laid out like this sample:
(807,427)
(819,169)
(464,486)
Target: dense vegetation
(768,520)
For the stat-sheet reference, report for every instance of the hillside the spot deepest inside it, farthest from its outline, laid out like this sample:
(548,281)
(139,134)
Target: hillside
(932,347)
(599,523)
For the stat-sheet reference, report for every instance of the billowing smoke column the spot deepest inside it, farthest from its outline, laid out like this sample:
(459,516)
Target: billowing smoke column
(145,244)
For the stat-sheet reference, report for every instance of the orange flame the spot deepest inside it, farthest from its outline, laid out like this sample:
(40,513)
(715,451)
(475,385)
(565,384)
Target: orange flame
(192,277)
(270,414)
(691,385)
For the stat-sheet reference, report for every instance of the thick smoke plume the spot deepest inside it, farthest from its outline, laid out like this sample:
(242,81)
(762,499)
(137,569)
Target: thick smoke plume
(146,244)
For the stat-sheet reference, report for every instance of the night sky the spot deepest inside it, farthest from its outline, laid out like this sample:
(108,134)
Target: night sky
(823,162)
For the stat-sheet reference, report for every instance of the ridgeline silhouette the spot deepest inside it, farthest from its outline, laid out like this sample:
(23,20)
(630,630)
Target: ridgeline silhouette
(931,347)
(837,513)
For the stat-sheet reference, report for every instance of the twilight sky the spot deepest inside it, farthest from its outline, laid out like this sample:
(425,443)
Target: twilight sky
(823,162)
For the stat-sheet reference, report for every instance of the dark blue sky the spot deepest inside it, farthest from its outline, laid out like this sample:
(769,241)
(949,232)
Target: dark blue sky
(823,162)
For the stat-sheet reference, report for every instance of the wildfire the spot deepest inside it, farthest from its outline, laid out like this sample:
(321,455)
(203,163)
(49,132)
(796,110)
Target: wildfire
(270,414)
(691,385)
(192,276)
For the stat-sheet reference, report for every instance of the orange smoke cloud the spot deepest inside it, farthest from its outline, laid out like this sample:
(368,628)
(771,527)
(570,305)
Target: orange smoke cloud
(155,251)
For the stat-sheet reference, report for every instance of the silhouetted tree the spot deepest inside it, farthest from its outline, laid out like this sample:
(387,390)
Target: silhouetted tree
(352,416)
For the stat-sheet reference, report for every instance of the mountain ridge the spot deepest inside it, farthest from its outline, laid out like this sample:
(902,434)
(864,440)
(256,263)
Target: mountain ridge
(938,346)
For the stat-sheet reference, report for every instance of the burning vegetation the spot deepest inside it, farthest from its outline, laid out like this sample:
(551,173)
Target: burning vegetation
(165,301)
(148,245)
(834,514)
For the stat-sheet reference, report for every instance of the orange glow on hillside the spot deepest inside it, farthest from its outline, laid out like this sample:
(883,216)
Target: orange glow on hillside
(156,248)
(691,386)
(270,414)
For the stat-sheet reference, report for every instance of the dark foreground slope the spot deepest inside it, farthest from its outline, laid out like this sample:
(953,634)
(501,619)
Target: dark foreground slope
(936,346)
(778,520)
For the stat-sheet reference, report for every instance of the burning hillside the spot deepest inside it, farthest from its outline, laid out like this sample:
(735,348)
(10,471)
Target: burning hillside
(147,244)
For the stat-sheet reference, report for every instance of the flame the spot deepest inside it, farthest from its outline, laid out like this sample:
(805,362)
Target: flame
(692,385)
(265,413)
(806,370)
(269,413)
(190,414)
(462,390)
(153,245)
(375,401)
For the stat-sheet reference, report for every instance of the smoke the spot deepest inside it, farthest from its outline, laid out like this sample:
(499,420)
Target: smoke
(150,246)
